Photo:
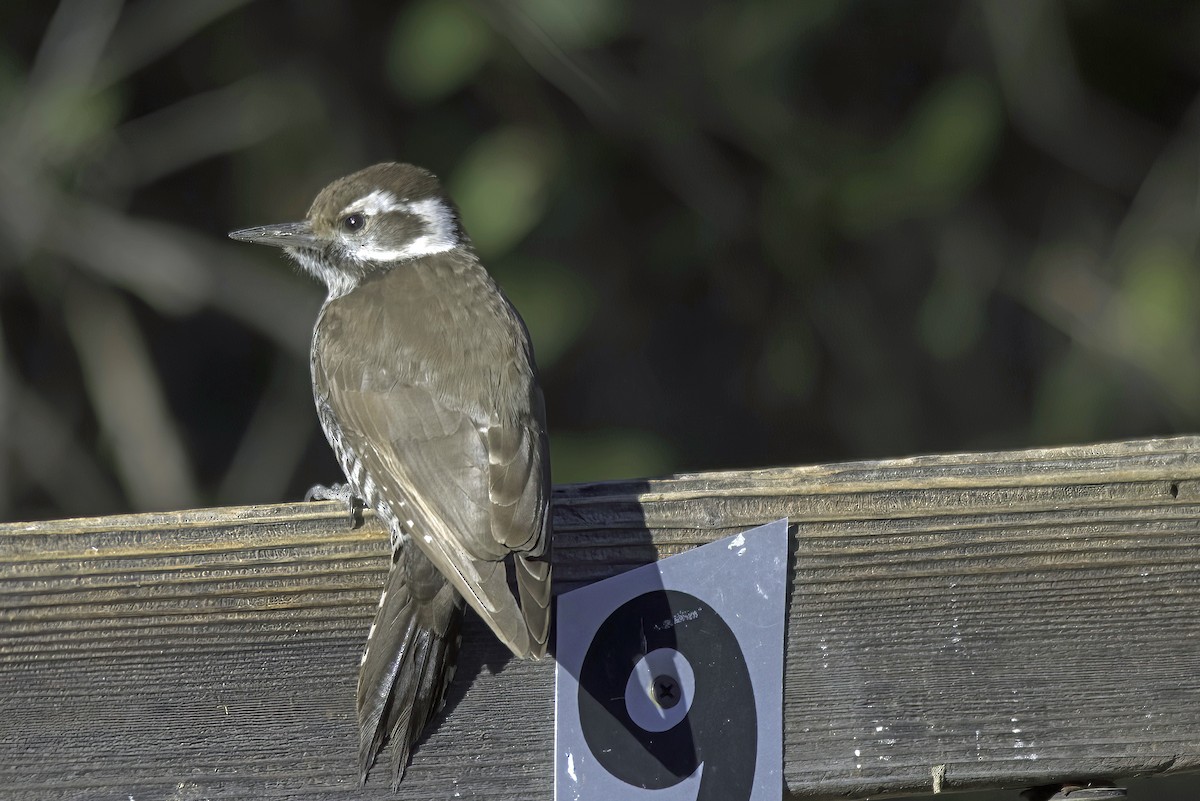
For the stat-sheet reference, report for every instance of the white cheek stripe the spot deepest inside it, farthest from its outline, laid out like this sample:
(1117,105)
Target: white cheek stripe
(420,246)
(438,219)
(439,236)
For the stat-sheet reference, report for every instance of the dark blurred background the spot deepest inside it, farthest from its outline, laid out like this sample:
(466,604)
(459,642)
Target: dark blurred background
(742,234)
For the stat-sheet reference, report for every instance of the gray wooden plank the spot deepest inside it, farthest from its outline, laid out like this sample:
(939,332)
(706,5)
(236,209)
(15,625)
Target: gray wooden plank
(1017,617)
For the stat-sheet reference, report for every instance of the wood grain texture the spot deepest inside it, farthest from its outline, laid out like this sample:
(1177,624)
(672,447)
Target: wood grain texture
(1017,617)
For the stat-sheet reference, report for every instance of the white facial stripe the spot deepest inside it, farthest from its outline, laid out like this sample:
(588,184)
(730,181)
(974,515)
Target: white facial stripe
(439,224)
(377,202)
(421,246)
(438,220)
(438,238)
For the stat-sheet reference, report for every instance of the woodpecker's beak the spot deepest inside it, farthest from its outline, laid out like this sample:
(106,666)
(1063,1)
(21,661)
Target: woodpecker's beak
(282,235)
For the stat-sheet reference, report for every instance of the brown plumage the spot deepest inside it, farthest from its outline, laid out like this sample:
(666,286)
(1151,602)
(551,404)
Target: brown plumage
(426,387)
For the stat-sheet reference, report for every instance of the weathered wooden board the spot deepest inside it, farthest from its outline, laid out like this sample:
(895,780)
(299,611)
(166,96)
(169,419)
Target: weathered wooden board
(1015,617)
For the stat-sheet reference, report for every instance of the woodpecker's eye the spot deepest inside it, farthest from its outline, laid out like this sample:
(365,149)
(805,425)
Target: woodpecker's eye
(354,222)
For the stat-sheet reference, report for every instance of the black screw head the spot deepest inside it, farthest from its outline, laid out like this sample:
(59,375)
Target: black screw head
(666,691)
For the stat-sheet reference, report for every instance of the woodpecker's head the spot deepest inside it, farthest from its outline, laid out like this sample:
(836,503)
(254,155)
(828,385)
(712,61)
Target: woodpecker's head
(367,222)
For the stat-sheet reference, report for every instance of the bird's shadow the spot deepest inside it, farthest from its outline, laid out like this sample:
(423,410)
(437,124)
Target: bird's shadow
(624,548)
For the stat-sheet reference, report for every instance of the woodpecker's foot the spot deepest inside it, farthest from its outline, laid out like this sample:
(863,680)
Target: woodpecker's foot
(338,492)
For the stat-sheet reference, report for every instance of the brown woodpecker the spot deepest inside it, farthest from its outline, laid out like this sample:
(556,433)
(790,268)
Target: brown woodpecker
(426,388)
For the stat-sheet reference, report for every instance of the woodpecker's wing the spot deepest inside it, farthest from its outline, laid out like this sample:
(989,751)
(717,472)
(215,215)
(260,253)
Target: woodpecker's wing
(519,489)
(437,462)
(468,491)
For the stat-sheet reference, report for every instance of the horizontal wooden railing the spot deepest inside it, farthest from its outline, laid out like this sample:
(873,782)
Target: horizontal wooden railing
(977,620)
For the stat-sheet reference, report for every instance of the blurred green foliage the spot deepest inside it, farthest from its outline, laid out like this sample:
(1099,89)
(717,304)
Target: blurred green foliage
(769,232)
(436,48)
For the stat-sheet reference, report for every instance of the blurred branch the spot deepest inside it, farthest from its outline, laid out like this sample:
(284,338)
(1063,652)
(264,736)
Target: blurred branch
(681,153)
(129,400)
(147,258)
(225,120)
(49,453)
(7,417)
(1132,298)
(261,296)
(1167,203)
(73,46)
(1053,107)
(170,268)
(150,29)
(274,442)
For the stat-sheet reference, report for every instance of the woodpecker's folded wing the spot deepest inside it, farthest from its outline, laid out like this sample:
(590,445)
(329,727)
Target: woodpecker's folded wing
(519,489)
(437,464)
